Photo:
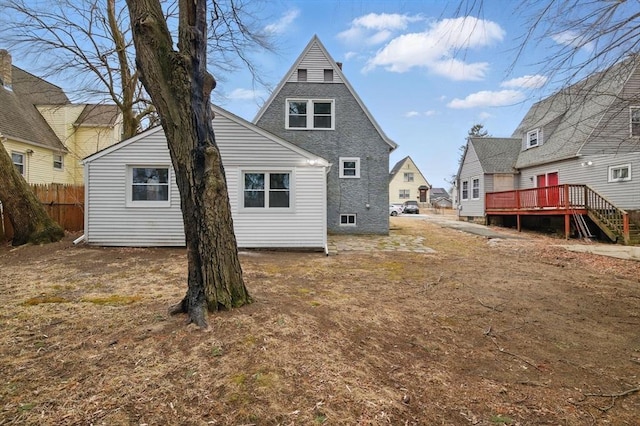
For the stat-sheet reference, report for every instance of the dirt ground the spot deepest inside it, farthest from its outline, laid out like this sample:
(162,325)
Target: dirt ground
(482,332)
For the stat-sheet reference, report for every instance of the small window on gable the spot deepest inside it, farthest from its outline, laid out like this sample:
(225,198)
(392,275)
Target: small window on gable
(533,138)
(302,74)
(57,161)
(635,121)
(347,220)
(620,173)
(408,177)
(349,167)
(328,75)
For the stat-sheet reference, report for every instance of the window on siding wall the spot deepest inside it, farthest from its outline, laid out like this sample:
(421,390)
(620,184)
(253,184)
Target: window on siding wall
(57,161)
(328,75)
(148,186)
(620,173)
(310,114)
(408,177)
(347,220)
(465,190)
(267,190)
(349,167)
(533,138)
(302,75)
(475,189)
(18,161)
(635,121)
(404,194)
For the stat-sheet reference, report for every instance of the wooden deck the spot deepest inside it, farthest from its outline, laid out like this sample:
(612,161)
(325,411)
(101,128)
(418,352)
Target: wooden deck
(567,200)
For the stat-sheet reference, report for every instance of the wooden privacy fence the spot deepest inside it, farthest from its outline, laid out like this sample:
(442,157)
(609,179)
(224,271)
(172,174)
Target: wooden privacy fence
(63,203)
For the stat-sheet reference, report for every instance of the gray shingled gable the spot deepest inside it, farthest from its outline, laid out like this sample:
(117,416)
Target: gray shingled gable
(19,117)
(398,166)
(98,115)
(568,118)
(496,155)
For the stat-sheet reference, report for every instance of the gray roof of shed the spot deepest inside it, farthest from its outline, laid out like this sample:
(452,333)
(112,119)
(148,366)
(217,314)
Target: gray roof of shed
(496,155)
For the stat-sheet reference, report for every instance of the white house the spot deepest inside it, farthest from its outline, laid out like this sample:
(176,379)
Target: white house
(276,189)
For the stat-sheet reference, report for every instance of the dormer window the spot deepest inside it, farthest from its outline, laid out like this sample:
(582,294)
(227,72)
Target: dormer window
(302,75)
(328,76)
(533,138)
(635,121)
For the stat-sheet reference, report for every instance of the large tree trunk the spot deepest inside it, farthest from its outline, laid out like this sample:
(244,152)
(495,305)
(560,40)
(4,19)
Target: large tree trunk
(179,86)
(31,223)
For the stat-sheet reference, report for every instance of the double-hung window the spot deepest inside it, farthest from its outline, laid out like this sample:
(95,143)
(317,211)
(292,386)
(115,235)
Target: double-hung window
(148,186)
(18,161)
(533,138)
(620,173)
(408,177)
(267,190)
(635,121)
(310,114)
(349,167)
(465,189)
(475,189)
(57,161)
(404,194)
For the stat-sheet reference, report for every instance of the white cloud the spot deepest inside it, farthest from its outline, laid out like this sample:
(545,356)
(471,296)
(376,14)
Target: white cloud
(573,39)
(430,113)
(373,29)
(526,82)
(435,49)
(281,25)
(349,55)
(484,116)
(412,114)
(245,94)
(487,98)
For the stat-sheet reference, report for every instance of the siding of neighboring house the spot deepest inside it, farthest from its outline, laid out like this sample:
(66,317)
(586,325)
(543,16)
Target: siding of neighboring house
(38,166)
(243,149)
(625,195)
(471,169)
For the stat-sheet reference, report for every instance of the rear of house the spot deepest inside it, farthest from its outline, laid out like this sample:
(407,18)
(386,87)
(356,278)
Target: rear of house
(277,190)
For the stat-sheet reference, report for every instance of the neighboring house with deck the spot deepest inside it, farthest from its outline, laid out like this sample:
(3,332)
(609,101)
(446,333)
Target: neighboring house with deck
(277,190)
(44,133)
(579,157)
(316,108)
(406,182)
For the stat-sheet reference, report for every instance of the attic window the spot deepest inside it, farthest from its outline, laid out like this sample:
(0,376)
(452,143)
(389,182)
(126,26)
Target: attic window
(533,138)
(302,75)
(310,114)
(328,75)
(635,121)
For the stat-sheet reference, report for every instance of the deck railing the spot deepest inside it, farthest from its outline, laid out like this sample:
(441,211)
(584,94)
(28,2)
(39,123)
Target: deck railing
(568,197)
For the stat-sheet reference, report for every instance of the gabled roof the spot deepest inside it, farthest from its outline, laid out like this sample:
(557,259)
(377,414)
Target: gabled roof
(569,117)
(316,43)
(217,111)
(19,117)
(98,115)
(401,163)
(496,155)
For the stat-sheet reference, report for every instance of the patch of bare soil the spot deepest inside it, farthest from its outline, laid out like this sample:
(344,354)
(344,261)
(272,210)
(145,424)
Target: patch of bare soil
(482,332)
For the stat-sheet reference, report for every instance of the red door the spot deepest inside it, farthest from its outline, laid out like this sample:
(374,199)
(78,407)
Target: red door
(541,194)
(549,191)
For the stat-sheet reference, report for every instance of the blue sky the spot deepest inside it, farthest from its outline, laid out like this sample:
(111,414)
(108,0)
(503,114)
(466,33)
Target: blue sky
(426,74)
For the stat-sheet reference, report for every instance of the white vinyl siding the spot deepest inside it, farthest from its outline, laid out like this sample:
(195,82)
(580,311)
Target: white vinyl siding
(110,222)
(470,170)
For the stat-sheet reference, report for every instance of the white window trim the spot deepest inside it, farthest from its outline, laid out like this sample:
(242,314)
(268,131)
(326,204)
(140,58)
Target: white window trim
(143,203)
(310,103)
(61,168)
(631,109)
(471,189)
(266,209)
(24,161)
(355,219)
(538,138)
(408,197)
(462,197)
(343,160)
(619,166)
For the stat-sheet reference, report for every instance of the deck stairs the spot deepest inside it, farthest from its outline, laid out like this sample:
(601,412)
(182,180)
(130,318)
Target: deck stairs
(610,219)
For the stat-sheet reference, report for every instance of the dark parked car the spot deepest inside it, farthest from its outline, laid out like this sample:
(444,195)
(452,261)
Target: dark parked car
(411,207)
